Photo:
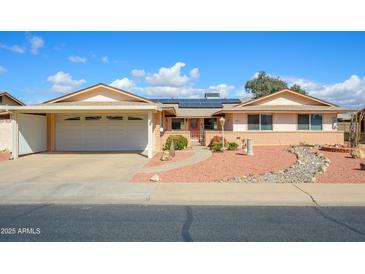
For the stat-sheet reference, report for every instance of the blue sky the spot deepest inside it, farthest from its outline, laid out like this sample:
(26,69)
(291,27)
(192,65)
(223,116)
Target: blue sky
(36,66)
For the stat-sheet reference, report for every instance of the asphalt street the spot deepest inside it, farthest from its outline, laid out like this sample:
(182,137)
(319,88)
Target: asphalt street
(142,223)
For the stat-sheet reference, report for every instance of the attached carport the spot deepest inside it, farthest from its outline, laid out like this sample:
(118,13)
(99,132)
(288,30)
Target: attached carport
(84,126)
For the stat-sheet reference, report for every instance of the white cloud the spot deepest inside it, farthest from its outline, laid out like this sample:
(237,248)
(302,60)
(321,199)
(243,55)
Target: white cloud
(194,73)
(36,43)
(77,59)
(104,59)
(63,82)
(349,93)
(138,73)
(123,83)
(2,69)
(169,77)
(14,48)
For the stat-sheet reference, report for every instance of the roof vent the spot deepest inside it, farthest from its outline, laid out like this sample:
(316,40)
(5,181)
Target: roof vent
(212,95)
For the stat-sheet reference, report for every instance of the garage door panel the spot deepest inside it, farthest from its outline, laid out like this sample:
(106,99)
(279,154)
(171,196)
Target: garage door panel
(101,134)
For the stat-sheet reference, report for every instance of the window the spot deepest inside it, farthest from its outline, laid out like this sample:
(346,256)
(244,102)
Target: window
(92,118)
(303,122)
(309,121)
(210,123)
(75,118)
(254,122)
(316,121)
(177,124)
(134,118)
(114,117)
(1,100)
(266,122)
(260,122)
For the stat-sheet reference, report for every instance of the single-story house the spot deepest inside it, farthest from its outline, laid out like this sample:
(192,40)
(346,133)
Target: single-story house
(6,99)
(104,118)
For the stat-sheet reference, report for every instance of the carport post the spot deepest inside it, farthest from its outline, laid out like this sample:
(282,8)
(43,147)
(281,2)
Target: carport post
(150,141)
(15,136)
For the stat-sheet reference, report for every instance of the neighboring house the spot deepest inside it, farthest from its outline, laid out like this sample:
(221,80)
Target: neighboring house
(6,99)
(104,118)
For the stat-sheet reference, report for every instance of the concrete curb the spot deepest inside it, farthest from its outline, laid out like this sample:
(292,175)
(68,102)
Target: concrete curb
(185,194)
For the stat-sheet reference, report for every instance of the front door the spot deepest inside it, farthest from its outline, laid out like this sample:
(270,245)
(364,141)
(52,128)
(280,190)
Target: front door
(194,128)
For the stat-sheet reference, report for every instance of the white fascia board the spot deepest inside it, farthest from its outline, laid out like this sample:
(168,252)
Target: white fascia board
(49,108)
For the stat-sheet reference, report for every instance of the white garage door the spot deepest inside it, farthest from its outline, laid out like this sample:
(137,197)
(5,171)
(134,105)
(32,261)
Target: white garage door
(112,132)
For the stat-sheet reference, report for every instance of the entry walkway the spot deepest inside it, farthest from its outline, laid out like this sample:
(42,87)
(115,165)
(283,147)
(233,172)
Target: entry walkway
(201,153)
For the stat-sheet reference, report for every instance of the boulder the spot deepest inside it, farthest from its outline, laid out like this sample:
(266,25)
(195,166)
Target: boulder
(155,178)
(165,156)
(358,153)
(362,166)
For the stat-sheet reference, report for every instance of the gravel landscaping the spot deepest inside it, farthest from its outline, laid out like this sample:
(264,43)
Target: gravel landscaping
(343,169)
(221,166)
(309,165)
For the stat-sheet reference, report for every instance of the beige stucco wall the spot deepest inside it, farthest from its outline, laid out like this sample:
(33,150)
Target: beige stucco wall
(239,122)
(281,137)
(156,131)
(328,120)
(285,121)
(228,125)
(6,134)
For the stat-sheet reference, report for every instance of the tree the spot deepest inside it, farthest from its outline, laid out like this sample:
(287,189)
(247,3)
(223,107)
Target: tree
(298,88)
(264,84)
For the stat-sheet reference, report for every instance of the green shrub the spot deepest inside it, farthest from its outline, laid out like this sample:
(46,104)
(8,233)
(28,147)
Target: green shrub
(232,146)
(217,147)
(180,142)
(217,140)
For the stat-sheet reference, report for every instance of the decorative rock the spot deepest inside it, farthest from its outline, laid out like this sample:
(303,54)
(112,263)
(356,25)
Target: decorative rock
(358,153)
(155,178)
(309,165)
(165,156)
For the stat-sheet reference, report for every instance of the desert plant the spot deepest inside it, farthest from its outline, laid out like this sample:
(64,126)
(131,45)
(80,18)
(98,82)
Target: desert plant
(172,148)
(232,146)
(217,147)
(217,140)
(180,142)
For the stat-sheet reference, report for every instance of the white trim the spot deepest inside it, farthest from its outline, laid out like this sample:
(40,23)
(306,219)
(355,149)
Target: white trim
(150,133)
(15,136)
(126,93)
(288,91)
(52,107)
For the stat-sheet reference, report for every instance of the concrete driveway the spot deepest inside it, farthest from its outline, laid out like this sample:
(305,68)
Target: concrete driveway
(72,167)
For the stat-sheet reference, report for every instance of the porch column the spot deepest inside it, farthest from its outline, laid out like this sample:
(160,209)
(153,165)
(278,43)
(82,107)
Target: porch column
(150,134)
(15,136)
(51,132)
